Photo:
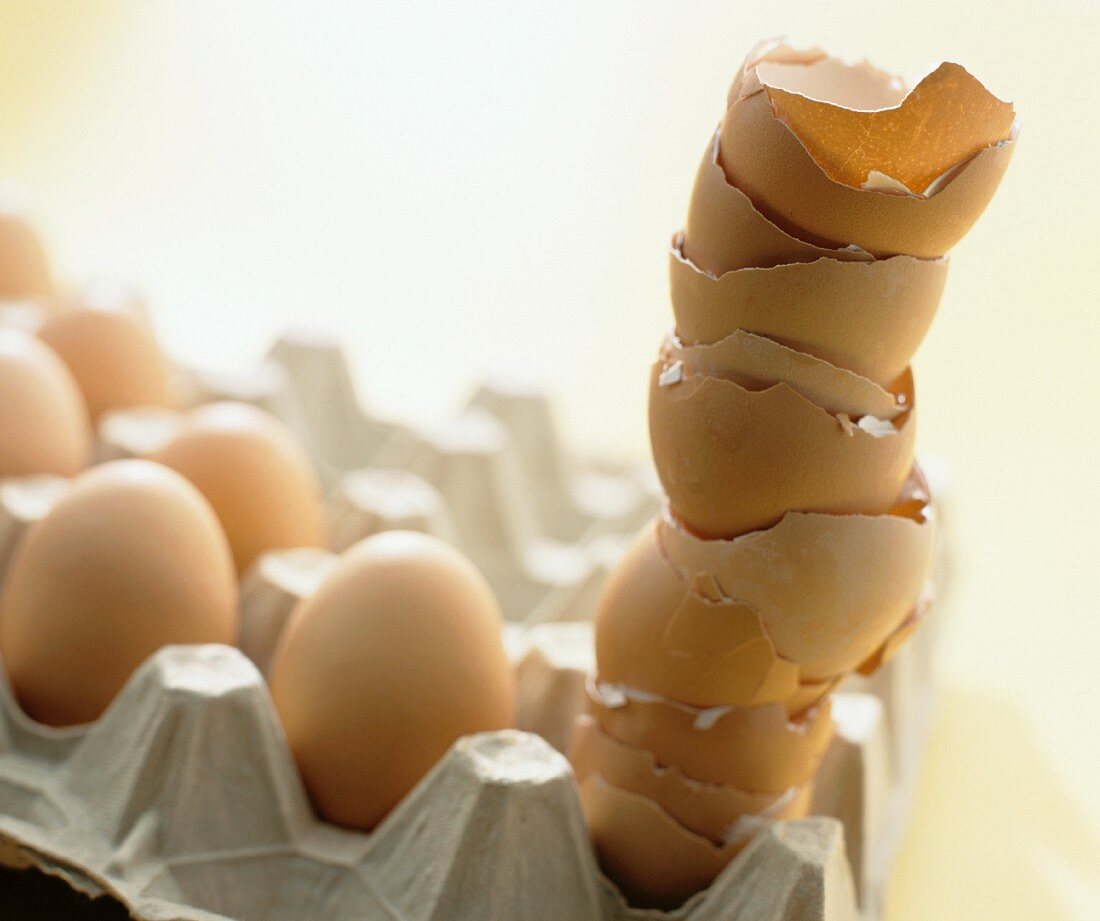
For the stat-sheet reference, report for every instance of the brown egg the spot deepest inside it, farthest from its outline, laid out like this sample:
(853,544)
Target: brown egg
(44,426)
(254,473)
(395,656)
(24,270)
(114,356)
(131,559)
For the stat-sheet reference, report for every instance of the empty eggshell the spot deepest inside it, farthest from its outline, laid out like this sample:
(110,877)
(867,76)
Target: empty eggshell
(654,632)
(724,231)
(711,810)
(130,559)
(44,426)
(913,140)
(733,460)
(652,858)
(755,749)
(396,655)
(829,589)
(24,270)
(254,473)
(114,356)
(867,317)
(757,362)
(955,161)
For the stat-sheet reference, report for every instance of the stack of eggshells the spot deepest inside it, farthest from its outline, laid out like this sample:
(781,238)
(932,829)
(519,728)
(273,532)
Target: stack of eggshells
(796,541)
(397,654)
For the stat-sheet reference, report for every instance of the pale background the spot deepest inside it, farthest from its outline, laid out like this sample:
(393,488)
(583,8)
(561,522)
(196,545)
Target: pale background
(461,188)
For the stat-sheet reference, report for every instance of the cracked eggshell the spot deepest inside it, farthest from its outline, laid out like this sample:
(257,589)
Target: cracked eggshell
(651,858)
(654,633)
(867,317)
(829,589)
(757,749)
(24,268)
(131,558)
(44,426)
(733,460)
(724,231)
(114,356)
(719,812)
(396,655)
(929,161)
(757,362)
(256,475)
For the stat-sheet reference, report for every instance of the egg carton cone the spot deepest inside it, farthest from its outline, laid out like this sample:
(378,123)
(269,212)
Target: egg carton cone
(182,803)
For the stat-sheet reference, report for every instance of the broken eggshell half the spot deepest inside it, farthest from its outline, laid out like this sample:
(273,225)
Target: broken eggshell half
(756,362)
(829,589)
(724,231)
(792,124)
(719,812)
(755,749)
(867,317)
(733,459)
(655,633)
(652,858)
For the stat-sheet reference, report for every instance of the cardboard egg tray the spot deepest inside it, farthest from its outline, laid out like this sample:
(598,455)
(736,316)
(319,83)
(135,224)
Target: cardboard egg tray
(182,801)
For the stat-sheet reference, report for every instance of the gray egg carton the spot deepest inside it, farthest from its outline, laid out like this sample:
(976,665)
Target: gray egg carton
(182,801)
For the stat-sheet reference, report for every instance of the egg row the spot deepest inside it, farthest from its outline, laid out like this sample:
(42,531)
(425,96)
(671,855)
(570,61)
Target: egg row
(397,653)
(797,538)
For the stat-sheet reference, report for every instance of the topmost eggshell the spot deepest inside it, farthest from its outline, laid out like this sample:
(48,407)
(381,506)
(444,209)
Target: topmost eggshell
(794,119)
(395,656)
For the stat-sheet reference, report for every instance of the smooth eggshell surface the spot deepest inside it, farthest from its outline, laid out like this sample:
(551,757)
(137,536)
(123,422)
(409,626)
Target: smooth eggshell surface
(24,270)
(44,426)
(395,656)
(132,558)
(114,356)
(255,474)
